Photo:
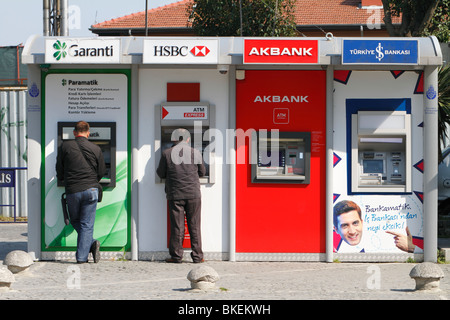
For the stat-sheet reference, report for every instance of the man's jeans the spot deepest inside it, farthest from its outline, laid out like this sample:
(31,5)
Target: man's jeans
(82,206)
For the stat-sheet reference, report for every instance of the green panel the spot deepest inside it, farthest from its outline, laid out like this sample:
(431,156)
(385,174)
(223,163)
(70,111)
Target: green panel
(112,222)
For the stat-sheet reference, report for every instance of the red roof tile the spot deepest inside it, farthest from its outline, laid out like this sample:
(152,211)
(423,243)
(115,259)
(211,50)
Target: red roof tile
(308,12)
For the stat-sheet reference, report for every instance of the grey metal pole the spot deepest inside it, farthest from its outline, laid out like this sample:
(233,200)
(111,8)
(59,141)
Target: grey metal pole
(329,166)
(146,18)
(64,18)
(135,162)
(232,161)
(430,160)
(46,15)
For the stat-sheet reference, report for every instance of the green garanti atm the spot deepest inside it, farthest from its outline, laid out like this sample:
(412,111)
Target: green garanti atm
(100,97)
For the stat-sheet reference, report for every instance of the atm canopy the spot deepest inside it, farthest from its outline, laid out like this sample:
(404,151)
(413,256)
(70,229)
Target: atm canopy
(362,53)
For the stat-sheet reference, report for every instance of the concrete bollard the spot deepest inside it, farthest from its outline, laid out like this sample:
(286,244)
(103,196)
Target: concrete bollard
(203,278)
(427,276)
(18,261)
(6,278)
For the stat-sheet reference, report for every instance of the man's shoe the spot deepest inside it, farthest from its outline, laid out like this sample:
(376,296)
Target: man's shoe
(196,260)
(200,261)
(172,260)
(95,250)
(81,262)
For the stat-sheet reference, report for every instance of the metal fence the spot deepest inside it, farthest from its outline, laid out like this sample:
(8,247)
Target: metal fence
(13,151)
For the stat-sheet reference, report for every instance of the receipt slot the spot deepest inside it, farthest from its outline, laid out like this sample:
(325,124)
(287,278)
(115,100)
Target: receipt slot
(196,117)
(381,152)
(104,135)
(281,157)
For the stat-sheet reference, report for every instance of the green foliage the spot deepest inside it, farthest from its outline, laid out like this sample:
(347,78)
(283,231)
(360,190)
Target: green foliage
(417,16)
(440,24)
(260,18)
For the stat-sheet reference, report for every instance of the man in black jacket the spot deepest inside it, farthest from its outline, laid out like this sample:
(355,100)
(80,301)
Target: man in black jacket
(182,166)
(81,165)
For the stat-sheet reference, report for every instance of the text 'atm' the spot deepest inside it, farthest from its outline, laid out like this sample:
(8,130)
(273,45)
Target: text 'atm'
(197,118)
(102,134)
(381,152)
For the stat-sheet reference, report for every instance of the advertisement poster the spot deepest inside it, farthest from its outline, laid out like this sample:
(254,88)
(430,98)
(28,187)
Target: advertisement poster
(92,97)
(370,224)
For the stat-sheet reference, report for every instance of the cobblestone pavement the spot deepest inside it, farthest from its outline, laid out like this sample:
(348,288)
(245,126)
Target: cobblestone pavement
(144,280)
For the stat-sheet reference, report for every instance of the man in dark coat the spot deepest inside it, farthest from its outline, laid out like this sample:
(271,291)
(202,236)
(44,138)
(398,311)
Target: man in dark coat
(181,166)
(80,165)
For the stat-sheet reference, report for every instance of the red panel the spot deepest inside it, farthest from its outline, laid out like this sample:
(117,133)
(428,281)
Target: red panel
(282,217)
(182,92)
(187,237)
(177,92)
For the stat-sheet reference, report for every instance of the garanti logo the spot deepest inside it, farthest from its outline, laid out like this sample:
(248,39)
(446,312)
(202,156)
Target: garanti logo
(60,50)
(82,50)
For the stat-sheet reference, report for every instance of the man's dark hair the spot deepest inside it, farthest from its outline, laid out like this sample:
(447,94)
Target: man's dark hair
(81,126)
(343,207)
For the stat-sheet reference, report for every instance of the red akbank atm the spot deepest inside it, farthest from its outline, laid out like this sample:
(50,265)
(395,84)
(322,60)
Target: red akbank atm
(280,189)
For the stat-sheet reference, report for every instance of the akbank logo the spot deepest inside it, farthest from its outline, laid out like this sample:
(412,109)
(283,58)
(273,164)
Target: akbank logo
(60,50)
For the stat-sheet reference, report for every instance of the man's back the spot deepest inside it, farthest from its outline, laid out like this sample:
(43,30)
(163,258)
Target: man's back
(72,167)
(181,171)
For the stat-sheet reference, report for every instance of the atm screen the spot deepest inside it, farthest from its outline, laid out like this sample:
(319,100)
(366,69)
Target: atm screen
(102,134)
(264,158)
(373,166)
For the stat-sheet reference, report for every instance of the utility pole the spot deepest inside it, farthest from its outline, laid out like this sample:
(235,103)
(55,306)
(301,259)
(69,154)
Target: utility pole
(55,13)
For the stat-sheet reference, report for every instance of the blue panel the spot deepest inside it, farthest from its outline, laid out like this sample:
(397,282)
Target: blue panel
(380,52)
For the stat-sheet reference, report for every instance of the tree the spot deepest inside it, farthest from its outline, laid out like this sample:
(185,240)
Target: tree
(259,18)
(416,16)
(440,25)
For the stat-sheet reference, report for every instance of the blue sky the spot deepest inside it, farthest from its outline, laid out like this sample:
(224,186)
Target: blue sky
(19,19)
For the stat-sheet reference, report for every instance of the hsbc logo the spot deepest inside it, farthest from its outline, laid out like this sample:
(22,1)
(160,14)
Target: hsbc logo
(183,51)
(200,51)
(179,51)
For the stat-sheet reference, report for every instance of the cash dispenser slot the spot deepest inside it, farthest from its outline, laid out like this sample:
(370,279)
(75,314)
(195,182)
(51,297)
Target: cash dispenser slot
(283,157)
(102,134)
